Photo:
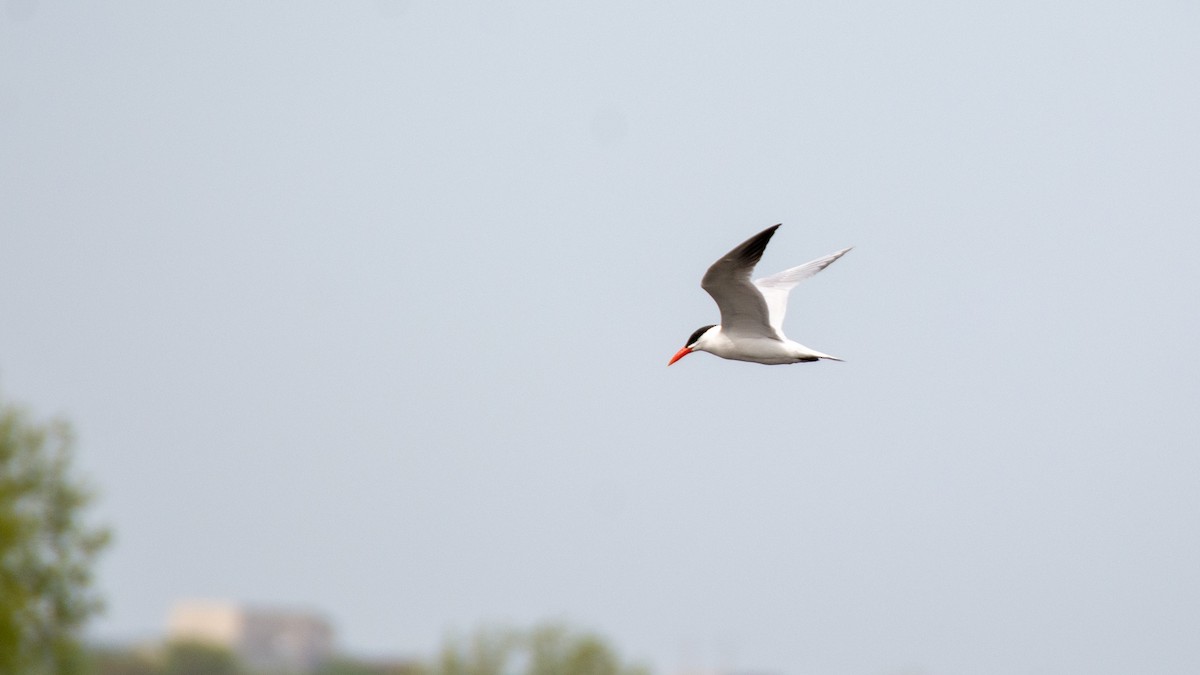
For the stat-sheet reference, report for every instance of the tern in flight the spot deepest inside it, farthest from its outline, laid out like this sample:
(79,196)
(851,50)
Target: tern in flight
(751,327)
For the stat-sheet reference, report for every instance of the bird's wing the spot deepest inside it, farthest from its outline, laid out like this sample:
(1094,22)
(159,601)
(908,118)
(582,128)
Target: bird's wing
(743,309)
(776,287)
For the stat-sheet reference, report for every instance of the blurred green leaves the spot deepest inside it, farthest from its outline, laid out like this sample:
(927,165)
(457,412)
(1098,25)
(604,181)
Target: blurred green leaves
(46,548)
(547,649)
(198,658)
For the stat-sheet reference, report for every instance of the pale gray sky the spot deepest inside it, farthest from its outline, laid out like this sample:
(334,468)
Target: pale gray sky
(368,310)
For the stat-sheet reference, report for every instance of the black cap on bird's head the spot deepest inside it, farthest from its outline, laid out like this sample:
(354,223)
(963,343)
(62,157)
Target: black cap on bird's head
(696,335)
(687,347)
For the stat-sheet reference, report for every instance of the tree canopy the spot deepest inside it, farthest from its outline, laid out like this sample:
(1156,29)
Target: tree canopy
(547,649)
(46,548)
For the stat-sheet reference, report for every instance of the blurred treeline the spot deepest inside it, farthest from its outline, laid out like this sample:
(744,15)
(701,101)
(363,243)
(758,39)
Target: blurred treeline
(547,649)
(48,548)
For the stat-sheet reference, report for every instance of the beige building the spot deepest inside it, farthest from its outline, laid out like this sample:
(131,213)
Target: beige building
(265,639)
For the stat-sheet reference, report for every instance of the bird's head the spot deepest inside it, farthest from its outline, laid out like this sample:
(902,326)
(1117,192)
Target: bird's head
(691,344)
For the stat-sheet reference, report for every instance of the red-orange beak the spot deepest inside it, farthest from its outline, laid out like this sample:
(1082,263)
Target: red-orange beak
(679,355)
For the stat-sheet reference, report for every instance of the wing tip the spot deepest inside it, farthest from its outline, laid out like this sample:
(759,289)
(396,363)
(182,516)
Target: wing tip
(751,250)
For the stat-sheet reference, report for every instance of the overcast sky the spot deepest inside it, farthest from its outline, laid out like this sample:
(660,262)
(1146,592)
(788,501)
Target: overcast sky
(367,310)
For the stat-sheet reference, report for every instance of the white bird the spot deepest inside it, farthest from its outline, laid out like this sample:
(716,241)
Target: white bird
(751,326)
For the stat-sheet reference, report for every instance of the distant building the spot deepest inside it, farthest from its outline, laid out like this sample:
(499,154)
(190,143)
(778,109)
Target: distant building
(265,639)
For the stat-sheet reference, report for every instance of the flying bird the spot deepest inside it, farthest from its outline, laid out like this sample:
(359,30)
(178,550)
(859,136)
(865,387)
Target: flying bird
(751,327)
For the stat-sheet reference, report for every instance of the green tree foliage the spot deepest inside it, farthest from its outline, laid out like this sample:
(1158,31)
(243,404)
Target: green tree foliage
(349,666)
(46,550)
(549,649)
(119,661)
(186,657)
(190,657)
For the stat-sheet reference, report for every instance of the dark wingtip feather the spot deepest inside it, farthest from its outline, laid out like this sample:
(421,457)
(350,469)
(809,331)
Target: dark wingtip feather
(752,249)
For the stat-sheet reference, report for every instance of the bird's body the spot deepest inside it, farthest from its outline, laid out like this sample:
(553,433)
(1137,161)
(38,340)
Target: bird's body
(768,350)
(752,312)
